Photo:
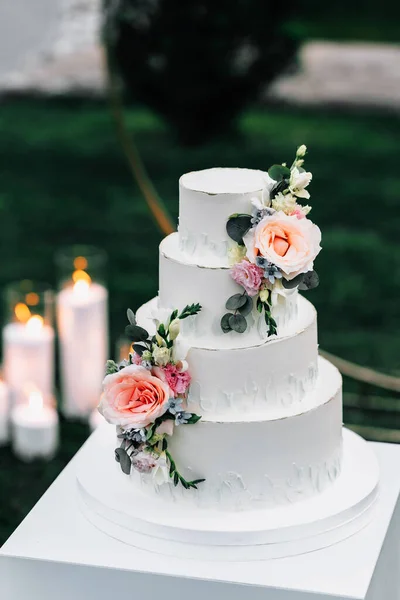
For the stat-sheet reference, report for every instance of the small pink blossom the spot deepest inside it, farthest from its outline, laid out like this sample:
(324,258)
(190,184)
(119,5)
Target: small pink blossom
(178,381)
(248,275)
(136,359)
(297,212)
(144,462)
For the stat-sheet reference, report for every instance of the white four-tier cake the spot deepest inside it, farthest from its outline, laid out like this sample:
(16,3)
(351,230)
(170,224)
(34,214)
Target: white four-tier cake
(229,423)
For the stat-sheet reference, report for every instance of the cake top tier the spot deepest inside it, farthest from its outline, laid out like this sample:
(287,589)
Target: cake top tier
(206,199)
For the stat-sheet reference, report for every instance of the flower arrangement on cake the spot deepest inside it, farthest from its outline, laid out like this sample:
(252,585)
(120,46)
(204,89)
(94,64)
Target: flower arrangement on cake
(275,246)
(145,397)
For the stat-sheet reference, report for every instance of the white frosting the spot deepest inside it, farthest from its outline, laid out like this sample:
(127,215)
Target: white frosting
(206,200)
(272,379)
(253,463)
(182,282)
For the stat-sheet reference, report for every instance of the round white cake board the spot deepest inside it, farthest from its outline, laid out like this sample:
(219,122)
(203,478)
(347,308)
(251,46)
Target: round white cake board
(118,507)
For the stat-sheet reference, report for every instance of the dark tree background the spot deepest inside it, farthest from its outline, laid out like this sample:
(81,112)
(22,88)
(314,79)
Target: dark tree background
(198,63)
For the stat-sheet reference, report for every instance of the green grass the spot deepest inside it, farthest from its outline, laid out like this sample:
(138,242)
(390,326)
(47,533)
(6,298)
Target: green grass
(63,180)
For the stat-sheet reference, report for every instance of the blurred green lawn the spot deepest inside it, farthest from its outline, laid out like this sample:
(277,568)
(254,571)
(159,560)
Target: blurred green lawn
(64,180)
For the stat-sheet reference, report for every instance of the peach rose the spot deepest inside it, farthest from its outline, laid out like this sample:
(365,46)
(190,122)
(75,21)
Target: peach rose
(133,397)
(286,241)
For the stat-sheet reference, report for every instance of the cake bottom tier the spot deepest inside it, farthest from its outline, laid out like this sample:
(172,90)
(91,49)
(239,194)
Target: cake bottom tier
(121,510)
(257,463)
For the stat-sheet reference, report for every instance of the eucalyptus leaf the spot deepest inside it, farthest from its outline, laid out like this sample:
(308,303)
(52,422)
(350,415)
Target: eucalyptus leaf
(236,301)
(131,316)
(226,328)
(139,349)
(310,281)
(292,283)
(237,226)
(246,308)
(279,172)
(238,323)
(136,333)
(124,460)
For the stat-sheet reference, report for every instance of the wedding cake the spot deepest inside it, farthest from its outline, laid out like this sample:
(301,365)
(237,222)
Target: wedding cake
(223,404)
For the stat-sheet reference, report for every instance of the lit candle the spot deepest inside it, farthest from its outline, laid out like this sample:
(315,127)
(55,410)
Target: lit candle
(28,344)
(34,428)
(83,334)
(4,413)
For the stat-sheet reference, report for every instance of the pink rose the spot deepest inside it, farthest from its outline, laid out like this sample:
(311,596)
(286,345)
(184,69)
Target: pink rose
(133,397)
(178,381)
(248,275)
(286,241)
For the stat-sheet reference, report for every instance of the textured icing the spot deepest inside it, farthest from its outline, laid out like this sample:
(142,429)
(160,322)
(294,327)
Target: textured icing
(272,378)
(206,200)
(183,282)
(253,463)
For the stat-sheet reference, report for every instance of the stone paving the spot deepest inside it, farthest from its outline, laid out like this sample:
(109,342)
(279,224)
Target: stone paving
(69,61)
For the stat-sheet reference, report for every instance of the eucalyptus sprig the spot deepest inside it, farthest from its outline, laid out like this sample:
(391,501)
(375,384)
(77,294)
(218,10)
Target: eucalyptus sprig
(242,305)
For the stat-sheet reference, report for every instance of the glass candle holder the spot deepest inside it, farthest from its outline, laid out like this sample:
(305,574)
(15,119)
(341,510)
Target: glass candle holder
(28,338)
(82,318)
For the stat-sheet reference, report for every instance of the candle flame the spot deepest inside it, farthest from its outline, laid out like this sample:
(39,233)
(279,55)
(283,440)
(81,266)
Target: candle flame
(35,400)
(80,275)
(34,324)
(22,312)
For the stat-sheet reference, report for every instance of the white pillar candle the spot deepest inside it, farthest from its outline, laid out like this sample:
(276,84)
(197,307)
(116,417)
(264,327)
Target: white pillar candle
(29,355)
(4,413)
(83,333)
(34,429)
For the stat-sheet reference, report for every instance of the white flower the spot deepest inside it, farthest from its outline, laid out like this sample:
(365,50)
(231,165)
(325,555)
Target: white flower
(160,315)
(284,202)
(160,341)
(160,471)
(236,254)
(299,180)
(264,295)
(301,151)
(161,356)
(174,329)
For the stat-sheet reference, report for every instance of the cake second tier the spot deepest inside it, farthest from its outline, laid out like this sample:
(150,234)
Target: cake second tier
(182,282)
(271,379)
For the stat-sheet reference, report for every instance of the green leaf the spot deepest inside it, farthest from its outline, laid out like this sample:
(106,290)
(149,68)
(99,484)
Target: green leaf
(136,333)
(292,283)
(226,328)
(310,281)
(173,316)
(176,478)
(189,310)
(238,323)
(196,481)
(161,330)
(279,172)
(236,301)
(124,460)
(237,226)
(247,307)
(139,349)
(193,419)
(131,316)
(111,367)
(259,305)
(185,484)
